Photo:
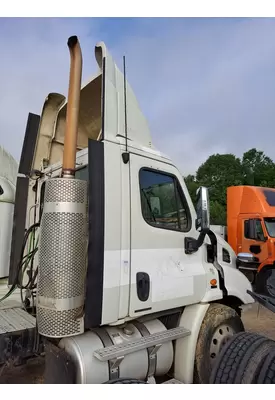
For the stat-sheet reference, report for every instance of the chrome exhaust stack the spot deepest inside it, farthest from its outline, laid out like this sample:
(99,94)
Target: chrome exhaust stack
(63,230)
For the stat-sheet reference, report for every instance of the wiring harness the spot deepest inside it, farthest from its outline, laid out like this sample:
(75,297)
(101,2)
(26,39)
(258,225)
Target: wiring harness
(26,261)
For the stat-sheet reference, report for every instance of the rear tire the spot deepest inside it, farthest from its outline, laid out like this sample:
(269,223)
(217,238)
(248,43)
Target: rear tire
(265,281)
(219,325)
(241,359)
(267,373)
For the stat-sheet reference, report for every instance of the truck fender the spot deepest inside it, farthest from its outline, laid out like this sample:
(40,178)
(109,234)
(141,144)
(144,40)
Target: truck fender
(267,264)
(236,284)
(185,348)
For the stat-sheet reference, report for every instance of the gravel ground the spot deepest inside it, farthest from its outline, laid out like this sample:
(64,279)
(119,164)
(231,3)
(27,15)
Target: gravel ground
(257,319)
(32,372)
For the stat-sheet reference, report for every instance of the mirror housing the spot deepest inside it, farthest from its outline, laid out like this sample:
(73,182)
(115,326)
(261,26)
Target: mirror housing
(246,258)
(203,210)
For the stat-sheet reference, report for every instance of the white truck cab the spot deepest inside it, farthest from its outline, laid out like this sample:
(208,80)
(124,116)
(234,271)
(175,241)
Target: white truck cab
(126,264)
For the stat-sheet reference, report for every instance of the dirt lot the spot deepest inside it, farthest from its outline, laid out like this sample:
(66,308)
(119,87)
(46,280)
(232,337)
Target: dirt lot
(260,320)
(30,373)
(257,319)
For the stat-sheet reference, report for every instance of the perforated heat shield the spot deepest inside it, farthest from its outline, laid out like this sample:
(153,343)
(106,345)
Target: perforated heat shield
(62,258)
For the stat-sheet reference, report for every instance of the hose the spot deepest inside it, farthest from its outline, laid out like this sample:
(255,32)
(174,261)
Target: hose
(24,262)
(24,265)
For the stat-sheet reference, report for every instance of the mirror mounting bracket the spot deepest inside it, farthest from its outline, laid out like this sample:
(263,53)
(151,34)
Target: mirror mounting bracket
(192,245)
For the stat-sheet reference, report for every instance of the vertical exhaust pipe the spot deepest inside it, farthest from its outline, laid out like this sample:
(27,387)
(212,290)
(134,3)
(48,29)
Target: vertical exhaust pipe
(63,230)
(72,117)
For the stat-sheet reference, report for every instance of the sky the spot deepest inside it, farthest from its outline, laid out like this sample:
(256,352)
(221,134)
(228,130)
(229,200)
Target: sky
(205,85)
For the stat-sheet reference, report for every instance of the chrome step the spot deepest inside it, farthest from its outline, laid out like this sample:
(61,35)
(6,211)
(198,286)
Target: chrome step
(115,351)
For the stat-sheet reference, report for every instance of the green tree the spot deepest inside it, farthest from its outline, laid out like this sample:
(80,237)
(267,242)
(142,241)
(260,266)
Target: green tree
(217,173)
(217,213)
(258,169)
(220,171)
(192,186)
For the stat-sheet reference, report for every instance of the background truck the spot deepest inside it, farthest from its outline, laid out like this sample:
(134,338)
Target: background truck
(8,175)
(124,281)
(251,230)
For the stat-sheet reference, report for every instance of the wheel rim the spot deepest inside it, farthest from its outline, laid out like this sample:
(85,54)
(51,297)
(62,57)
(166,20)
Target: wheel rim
(221,336)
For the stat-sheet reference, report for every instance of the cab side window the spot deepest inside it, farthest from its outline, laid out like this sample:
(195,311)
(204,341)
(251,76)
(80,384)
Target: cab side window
(253,229)
(162,201)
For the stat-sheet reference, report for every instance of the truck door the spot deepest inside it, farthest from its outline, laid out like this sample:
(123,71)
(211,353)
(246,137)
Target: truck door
(254,240)
(162,275)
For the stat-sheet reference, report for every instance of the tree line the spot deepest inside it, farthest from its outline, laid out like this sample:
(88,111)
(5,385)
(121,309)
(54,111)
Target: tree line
(222,170)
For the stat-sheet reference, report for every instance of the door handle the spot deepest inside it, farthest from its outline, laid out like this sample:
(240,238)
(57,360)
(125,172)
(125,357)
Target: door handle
(143,286)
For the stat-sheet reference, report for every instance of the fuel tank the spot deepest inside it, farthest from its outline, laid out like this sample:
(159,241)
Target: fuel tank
(89,369)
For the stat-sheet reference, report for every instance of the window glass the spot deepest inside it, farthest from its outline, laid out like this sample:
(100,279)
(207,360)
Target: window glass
(270,226)
(259,230)
(246,230)
(161,201)
(270,197)
(258,234)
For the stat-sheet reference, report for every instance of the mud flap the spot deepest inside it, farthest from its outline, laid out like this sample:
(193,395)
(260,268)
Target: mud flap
(59,366)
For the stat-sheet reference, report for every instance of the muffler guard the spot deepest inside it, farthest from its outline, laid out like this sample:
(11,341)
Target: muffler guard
(62,258)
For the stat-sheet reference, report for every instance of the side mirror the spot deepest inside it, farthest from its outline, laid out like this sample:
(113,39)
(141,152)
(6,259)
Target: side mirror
(203,211)
(202,222)
(245,258)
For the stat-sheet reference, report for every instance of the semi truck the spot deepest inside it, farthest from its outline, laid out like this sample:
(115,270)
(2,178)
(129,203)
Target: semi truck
(122,280)
(251,230)
(8,176)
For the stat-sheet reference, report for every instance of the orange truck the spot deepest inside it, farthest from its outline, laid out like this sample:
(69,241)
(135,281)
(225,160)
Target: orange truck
(250,232)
